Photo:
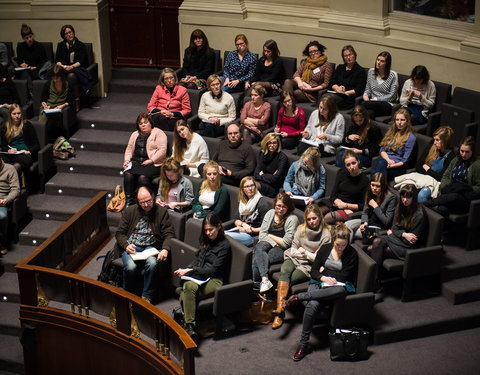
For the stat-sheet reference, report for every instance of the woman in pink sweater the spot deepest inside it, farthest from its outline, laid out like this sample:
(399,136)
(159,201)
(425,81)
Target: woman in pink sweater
(170,102)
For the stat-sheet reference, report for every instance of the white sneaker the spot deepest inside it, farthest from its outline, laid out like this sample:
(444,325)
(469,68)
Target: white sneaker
(265,285)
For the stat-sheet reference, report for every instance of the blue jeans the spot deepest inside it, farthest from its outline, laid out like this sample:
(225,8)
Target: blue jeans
(390,173)
(3,225)
(242,237)
(424,194)
(132,269)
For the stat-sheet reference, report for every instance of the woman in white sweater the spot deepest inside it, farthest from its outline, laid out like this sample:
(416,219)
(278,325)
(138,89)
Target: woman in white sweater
(325,128)
(216,109)
(189,148)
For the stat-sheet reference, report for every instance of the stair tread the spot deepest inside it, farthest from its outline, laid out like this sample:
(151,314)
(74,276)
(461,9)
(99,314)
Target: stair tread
(465,284)
(94,159)
(57,203)
(11,354)
(16,254)
(102,136)
(9,284)
(95,182)
(9,318)
(41,228)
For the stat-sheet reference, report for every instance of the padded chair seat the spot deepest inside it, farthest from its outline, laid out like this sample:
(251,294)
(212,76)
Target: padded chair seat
(458,218)
(393,265)
(118,262)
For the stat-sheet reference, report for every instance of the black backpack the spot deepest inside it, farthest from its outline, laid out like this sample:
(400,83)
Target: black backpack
(110,273)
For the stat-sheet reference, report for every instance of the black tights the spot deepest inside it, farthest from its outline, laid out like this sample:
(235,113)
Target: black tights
(379,251)
(133,181)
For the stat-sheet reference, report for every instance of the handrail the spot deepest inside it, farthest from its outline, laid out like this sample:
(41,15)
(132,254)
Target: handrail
(46,275)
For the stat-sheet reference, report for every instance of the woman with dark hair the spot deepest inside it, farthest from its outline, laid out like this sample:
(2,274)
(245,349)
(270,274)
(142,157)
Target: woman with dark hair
(378,209)
(174,190)
(396,146)
(290,121)
(169,102)
(270,72)
(418,95)
(460,182)
(408,231)
(362,137)
(209,269)
(212,195)
(297,264)
(334,262)
(431,165)
(251,211)
(198,61)
(348,193)
(56,95)
(325,128)
(145,153)
(255,115)
(72,56)
(189,148)
(381,90)
(8,95)
(276,235)
(313,74)
(349,79)
(272,165)
(306,177)
(19,141)
(31,56)
(239,66)
(216,109)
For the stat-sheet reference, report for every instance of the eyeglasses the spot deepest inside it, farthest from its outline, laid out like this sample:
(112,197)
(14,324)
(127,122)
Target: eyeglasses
(272,143)
(348,55)
(249,186)
(146,203)
(281,207)
(240,44)
(313,52)
(169,78)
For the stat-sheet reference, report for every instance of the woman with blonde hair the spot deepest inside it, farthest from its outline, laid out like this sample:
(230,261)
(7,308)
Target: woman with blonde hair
(251,210)
(306,177)
(334,262)
(309,237)
(396,146)
(272,165)
(325,128)
(212,196)
(189,148)
(19,140)
(239,66)
(174,190)
(169,102)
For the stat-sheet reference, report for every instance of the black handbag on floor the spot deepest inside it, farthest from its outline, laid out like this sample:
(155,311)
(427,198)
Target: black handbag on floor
(348,345)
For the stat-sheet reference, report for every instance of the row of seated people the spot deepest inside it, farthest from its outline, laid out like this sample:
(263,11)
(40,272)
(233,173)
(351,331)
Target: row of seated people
(378,87)
(32,62)
(391,155)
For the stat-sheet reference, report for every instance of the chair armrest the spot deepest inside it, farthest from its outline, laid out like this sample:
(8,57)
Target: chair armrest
(69,119)
(93,69)
(474,214)
(233,297)
(45,159)
(193,121)
(423,262)
(19,207)
(179,73)
(433,123)
(228,224)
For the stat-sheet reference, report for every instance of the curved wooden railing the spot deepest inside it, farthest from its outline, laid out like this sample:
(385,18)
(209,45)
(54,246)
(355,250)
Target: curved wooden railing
(73,324)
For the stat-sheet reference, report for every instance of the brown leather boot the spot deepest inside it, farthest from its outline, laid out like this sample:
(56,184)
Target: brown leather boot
(282,291)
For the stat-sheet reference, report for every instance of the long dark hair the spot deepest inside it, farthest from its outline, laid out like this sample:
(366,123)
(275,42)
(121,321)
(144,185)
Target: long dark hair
(384,189)
(405,214)
(271,45)
(197,33)
(388,63)
(214,221)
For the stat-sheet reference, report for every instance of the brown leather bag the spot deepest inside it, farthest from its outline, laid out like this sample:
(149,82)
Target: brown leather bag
(118,202)
(260,312)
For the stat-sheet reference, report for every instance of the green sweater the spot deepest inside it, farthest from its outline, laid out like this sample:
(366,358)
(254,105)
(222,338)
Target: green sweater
(473,175)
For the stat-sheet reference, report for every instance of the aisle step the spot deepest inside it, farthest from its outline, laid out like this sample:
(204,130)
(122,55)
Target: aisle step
(82,185)
(101,140)
(462,290)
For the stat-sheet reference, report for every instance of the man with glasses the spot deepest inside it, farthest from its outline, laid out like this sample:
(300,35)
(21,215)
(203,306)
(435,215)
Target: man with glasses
(145,228)
(235,157)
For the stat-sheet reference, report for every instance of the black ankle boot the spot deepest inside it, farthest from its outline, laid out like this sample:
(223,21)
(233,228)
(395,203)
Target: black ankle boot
(190,329)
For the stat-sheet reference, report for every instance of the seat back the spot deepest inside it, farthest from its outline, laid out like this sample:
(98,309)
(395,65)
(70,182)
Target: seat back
(37,90)
(233,200)
(48,50)
(332,176)
(195,96)
(218,61)
(240,262)
(434,227)
(443,95)
(181,255)
(212,144)
(9,46)
(365,278)
(458,118)
(22,89)
(289,66)
(469,99)
(89,47)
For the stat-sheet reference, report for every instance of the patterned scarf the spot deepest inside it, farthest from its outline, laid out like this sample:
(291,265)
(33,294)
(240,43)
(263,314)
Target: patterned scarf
(310,66)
